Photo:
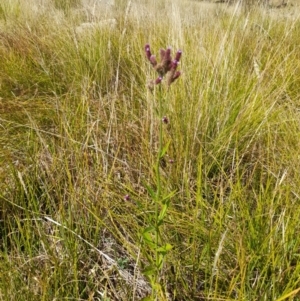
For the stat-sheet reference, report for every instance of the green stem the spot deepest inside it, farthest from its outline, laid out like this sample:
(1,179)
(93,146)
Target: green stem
(158,179)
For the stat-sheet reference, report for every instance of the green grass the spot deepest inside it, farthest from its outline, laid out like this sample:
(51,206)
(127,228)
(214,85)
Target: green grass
(79,130)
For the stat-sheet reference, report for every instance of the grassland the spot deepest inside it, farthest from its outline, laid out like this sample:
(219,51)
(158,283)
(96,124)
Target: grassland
(101,200)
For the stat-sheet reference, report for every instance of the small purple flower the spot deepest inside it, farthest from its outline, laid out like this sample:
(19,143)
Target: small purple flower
(165,120)
(176,75)
(148,51)
(166,61)
(171,161)
(174,65)
(178,55)
(127,197)
(168,54)
(152,60)
(158,80)
(162,53)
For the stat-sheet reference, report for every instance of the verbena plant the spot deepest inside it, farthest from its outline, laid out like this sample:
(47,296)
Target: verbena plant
(151,235)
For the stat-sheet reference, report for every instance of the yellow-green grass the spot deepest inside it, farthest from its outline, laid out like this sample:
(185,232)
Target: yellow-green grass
(79,131)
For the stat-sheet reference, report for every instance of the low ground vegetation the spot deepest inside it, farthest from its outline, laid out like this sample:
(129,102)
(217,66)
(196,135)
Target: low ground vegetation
(112,191)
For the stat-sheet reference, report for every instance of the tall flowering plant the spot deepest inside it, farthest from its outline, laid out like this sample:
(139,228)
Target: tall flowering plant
(151,235)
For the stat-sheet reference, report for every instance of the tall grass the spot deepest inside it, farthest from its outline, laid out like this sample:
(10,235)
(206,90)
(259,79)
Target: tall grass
(80,139)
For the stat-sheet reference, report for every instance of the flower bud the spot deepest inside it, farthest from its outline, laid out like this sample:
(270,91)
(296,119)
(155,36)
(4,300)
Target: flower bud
(165,120)
(168,54)
(158,80)
(178,56)
(152,60)
(174,65)
(166,62)
(176,75)
(147,51)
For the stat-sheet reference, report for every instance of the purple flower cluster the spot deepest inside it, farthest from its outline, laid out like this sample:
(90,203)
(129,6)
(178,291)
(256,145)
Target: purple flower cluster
(167,66)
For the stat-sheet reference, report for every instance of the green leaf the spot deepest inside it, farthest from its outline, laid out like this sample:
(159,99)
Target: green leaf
(150,257)
(149,229)
(151,191)
(147,237)
(150,270)
(160,261)
(165,149)
(168,247)
(157,286)
(165,249)
(148,240)
(163,212)
(167,198)
(160,222)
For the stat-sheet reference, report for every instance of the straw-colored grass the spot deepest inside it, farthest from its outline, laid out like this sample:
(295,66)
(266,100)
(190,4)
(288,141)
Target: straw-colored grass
(79,136)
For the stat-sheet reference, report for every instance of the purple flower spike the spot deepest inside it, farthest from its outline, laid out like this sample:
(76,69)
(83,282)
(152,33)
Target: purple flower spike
(148,51)
(158,80)
(152,60)
(162,53)
(166,67)
(176,75)
(174,65)
(168,54)
(178,55)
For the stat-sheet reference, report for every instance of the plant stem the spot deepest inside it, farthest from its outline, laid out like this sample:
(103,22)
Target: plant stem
(158,181)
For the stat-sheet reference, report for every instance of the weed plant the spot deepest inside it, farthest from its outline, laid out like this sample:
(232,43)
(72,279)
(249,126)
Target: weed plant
(151,235)
(93,163)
